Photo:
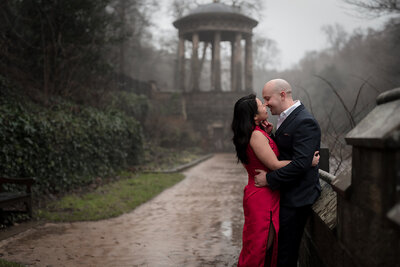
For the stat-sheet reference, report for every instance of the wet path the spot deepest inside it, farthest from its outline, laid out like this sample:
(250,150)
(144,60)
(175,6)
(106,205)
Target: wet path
(197,222)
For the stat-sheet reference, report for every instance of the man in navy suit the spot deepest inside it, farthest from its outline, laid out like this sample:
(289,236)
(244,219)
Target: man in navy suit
(298,136)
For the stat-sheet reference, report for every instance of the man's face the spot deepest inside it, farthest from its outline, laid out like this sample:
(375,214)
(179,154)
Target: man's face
(272,99)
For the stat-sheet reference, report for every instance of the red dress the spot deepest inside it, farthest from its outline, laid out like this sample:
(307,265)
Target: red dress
(261,208)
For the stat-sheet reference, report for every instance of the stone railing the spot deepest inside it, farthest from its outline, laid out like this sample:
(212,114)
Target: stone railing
(326,177)
(356,221)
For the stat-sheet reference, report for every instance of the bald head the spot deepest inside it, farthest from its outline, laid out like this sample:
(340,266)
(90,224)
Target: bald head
(278,85)
(277,95)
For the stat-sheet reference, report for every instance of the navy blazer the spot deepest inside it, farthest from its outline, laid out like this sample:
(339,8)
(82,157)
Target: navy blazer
(298,137)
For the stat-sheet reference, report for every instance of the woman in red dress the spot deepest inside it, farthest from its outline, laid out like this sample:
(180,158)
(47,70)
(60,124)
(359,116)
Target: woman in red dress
(256,150)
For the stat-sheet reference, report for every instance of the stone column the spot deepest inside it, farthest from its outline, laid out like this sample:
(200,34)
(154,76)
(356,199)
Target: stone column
(181,64)
(212,65)
(238,63)
(216,63)
(195,62)
(232,65)
(248,67)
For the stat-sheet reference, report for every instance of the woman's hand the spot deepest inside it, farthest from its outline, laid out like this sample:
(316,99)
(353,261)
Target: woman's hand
(315,160)
(260,178)
(268,126)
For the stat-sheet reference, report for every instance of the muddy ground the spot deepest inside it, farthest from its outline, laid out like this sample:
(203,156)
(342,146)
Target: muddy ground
(197,222)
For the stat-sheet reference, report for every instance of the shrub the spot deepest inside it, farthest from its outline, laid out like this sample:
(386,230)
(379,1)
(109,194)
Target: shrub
(67,145)
(131,104)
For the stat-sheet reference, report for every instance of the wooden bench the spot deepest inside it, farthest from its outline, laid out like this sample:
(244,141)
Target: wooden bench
(7,199)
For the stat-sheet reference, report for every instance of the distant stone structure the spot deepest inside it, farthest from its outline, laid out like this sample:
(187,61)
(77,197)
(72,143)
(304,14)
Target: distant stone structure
(356,222)
(211,110)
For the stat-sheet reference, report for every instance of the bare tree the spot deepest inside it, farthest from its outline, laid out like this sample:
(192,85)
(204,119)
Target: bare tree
(134,19)
(375,7)
(252,8)
(179,8)
(334,133)
(340,98)
(336,35)
(266,52)
(333,138)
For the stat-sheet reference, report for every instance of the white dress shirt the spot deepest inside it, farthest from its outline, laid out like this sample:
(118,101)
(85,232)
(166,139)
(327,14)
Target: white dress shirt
(282,117)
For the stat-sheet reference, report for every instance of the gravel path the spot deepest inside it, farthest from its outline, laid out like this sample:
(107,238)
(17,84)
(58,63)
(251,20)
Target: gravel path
(197,222)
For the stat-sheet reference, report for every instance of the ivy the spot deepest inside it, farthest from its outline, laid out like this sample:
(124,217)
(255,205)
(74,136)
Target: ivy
(65,146)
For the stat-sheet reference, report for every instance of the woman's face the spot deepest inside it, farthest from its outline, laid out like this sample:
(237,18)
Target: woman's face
(262,113)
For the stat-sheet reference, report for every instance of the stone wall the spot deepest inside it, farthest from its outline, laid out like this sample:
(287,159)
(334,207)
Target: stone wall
(211,115)
(363,228)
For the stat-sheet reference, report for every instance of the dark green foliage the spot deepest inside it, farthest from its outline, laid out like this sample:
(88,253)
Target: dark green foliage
(4,263)
(66,146)
(56,47)
(173,105)
(8,218)
(131,104)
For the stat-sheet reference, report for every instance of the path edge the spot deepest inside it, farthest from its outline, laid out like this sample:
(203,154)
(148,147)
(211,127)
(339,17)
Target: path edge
(24,226)
(183,166)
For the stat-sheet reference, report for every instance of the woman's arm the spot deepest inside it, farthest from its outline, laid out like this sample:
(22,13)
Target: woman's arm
(306,138)
(260,145)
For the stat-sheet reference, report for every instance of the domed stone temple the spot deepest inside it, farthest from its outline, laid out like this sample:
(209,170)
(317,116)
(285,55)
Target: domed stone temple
(210,109)
(215,23)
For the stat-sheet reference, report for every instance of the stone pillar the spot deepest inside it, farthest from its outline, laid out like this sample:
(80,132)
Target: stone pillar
(216,63)
(248,79)
(212,78)
(232,65)
(195,62)
(237,77)
(181,64)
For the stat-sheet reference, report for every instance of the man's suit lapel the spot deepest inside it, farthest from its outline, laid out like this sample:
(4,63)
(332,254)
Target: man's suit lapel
(289,119)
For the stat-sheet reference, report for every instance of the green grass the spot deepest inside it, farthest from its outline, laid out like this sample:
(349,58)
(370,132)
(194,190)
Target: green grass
(109,200)
(4,263)
(159,158)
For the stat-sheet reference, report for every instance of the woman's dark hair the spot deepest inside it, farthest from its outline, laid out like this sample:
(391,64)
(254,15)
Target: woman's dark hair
(243,124)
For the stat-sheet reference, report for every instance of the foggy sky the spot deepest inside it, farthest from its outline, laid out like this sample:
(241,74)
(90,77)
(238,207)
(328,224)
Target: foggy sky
(294,24)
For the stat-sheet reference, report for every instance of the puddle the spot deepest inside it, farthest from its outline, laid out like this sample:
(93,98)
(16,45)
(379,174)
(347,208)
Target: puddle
(197,222)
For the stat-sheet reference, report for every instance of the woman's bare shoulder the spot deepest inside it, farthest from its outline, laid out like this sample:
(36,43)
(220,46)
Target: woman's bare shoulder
(258,134)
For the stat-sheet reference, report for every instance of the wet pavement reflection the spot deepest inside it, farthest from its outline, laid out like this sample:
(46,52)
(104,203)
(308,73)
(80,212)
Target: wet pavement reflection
(197,222)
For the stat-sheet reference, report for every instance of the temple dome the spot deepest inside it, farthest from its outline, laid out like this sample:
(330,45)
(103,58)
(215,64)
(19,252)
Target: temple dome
(214,8)
(215,17)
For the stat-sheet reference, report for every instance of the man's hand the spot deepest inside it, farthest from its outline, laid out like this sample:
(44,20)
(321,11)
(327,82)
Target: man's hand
(260,179)
(268,126)
(315,160)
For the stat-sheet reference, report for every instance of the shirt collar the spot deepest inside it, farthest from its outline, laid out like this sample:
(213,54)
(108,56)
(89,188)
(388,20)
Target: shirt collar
(284,114)
(289,110)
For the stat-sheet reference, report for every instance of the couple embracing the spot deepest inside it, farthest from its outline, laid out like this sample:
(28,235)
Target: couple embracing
(282,171)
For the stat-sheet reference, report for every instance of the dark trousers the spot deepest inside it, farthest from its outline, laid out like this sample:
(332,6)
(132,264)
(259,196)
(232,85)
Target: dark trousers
(291,227)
